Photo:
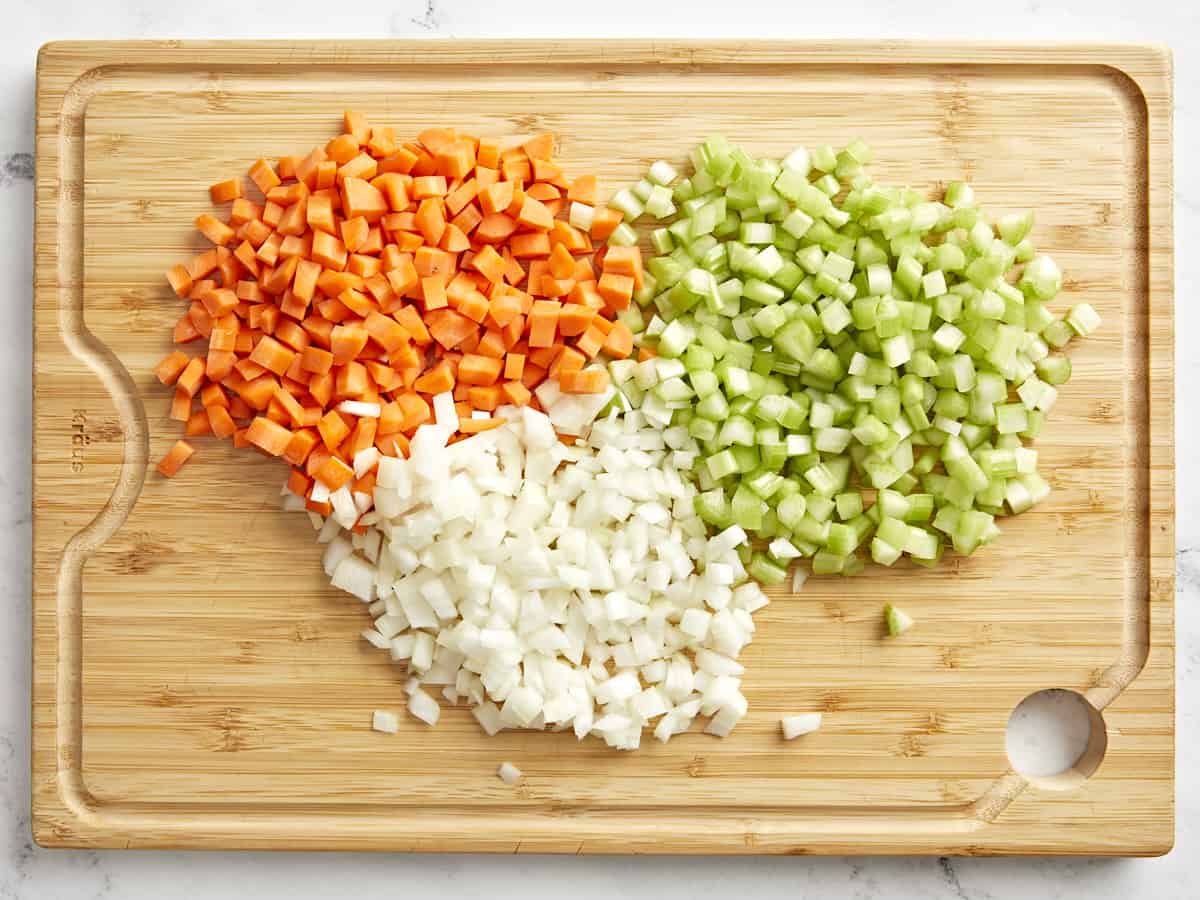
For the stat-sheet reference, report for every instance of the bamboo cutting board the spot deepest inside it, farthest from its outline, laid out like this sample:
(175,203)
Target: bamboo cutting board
(198,684)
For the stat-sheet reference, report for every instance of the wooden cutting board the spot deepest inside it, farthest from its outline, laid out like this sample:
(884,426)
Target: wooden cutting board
(198,684)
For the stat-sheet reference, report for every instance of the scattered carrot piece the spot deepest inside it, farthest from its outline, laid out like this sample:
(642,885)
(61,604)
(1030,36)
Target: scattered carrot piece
(180,452)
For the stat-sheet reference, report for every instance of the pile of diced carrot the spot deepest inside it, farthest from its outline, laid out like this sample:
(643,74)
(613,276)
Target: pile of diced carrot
(383,273)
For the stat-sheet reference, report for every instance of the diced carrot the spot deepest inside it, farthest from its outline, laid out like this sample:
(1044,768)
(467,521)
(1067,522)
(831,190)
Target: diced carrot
(264,176)
(300,446)
(619,342)
(569,359)
(467,220)
(456,159)
(535,215)
(617,290)
(458,198)
(574,319)
(171,367)
(360,198)
(180,452)
(436,380)
(425,186)
(504,308)
(569,237)
(181,405)
(533,376)
(540,147)
(411,320)
(543,323)
(431,220)
(401,161)
(334,473)
(239,409)
(515,167)
(495,227)
(583,189)
(512,332)
(433,291)
(414,410)
(474,306)
(351,381)
(212,395)
(390,417)
(496,198)
(316,360)
(403,279)
(432,261)
(324,508)
(624,261)
(224,191)
(490,264)
(333,429)
(604,223)
(347,341)
(591,341)
(272,355)
(385,331)
(476,369)
(190,379)
(291,406)
(361,166)
(491,343)
(180,280)
(530,245)
(268,436)
(583,381)
(436,138)
(449,328)
(362,437)
(561,263)
(514,365)
(219,421)
(306,168)
(543,357)
(375,270)
(356,125)
(486,398)
(219,363)
(244,211)
(469,343)
(214,229)
(248,368)
(259,391)
(197,424)
(453,240)
(298,483)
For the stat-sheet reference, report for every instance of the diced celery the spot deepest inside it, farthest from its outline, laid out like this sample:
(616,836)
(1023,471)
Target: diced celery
(764,569)
(810,342)
(849,505)
(827,563)
(1083,319)
(747,509)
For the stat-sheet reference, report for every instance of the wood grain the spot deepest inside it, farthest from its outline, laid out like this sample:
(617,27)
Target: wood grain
(198,684)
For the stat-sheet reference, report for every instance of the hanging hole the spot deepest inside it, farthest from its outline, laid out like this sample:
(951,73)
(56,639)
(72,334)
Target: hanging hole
(1056,738)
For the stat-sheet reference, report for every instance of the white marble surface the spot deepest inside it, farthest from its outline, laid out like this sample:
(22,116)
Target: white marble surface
(30,873)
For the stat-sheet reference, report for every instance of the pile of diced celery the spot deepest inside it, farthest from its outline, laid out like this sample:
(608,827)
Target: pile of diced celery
(860,365)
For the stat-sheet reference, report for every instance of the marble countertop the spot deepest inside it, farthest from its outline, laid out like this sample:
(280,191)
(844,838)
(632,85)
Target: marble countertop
(30,873)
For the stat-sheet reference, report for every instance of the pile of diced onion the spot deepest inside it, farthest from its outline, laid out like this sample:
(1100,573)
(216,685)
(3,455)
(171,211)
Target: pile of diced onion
(550,585)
